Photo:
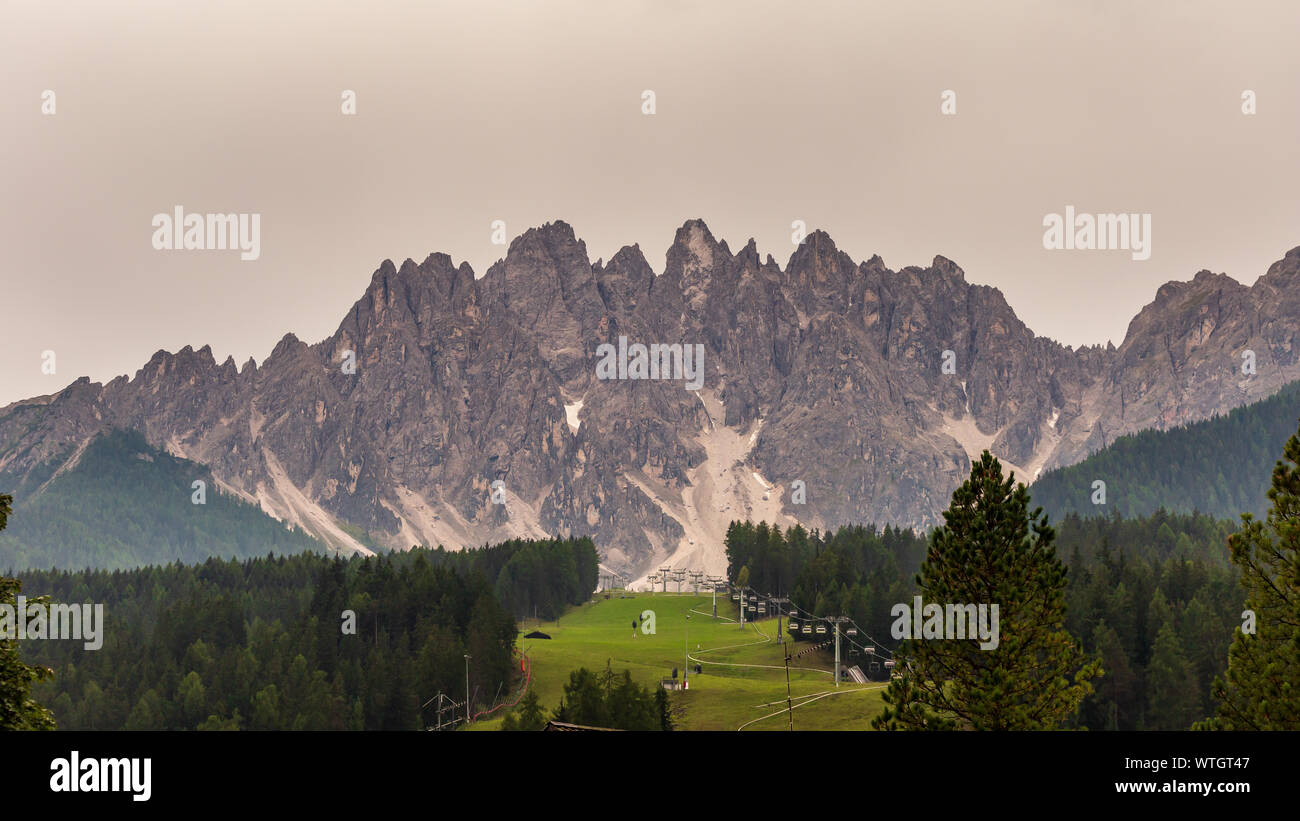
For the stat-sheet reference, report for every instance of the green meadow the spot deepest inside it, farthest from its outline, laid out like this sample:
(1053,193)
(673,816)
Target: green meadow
(744,676)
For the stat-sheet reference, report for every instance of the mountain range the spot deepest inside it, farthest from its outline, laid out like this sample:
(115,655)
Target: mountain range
(455,410)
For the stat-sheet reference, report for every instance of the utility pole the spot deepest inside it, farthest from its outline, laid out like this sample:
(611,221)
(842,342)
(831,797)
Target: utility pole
(789,705)
(686,671)
(836,621)
(837,653)
(467,688)
(715,602)
(744,601)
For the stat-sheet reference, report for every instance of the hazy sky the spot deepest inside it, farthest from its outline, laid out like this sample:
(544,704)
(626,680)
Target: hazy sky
(473,111)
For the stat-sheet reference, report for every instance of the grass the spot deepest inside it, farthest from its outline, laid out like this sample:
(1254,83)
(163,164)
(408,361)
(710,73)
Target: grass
(723,697)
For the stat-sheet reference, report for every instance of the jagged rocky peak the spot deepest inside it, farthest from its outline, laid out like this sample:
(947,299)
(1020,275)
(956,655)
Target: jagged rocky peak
(290,349)
(81,386)
(549,257)
(695,253)
(1284,268)
(947,269)
(1204,280)
(827,372)
(820,271)
(625,281)
(185,364)
(385,270)
(557,235)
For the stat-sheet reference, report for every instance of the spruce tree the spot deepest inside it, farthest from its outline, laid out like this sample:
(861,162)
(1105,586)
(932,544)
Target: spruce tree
(992,550)
(1171,687)
(1111,708)
(1262,688)
(17,709)
(531,715)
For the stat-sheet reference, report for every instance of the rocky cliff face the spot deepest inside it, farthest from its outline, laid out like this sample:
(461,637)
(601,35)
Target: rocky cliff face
(826,372)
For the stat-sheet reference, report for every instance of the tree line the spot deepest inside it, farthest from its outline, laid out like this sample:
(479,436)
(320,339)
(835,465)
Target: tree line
(598,699)
(1220,466)
(1156,598)
(297,642)
(125,505)
(859,571)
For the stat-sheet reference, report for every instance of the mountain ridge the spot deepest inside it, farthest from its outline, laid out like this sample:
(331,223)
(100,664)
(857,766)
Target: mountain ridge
(826,371)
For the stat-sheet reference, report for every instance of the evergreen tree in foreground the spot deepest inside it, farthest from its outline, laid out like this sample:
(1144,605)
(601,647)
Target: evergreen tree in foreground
(17,710)
(613,700)
(529,717)
(992,550)
(1262,690)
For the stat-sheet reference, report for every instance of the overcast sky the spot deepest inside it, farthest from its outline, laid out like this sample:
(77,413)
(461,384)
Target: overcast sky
(527,112)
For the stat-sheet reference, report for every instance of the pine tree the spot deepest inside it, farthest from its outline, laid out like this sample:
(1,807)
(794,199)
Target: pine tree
(531,714)
(1262,689)
(17,709)
(992,550)
(663,708)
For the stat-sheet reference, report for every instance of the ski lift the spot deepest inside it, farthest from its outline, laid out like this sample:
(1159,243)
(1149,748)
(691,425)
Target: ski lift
(889,665)
(735,597)
(807,628)
(870,651)
(794,627)
(821,629)
(852,631)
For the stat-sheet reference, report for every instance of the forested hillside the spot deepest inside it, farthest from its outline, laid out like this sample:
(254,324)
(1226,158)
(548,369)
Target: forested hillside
(261,643)
(1221,466)
(857,571)
(126,505)
(1156,597)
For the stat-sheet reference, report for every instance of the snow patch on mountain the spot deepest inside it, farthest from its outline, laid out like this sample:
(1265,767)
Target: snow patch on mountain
(721,489)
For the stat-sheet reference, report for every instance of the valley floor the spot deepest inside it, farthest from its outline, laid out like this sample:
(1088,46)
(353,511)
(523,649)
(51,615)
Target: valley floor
(743,684)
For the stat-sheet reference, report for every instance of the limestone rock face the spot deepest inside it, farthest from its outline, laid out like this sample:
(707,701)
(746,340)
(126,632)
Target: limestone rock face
(455,411)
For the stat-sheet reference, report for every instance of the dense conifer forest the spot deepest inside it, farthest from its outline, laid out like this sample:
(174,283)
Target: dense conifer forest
(1221,466)
(125,504)
(261,643)
(1156,598)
